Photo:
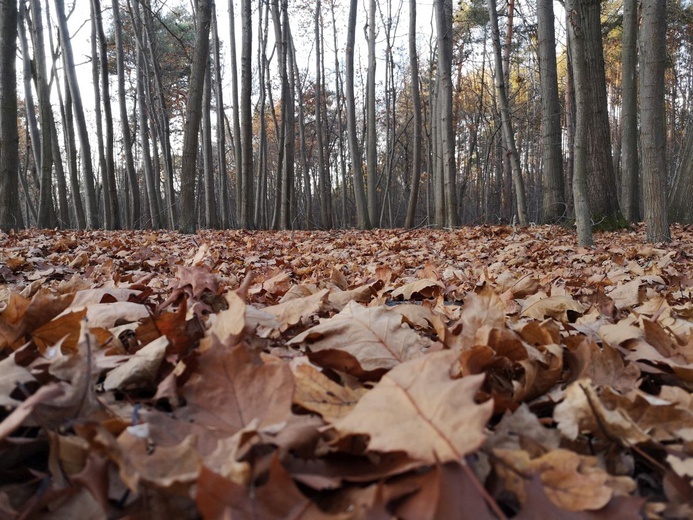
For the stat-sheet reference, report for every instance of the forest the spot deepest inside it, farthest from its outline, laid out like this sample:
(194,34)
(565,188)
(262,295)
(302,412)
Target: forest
(327,114)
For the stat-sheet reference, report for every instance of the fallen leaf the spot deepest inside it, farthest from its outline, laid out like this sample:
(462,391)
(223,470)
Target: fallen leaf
(436,416)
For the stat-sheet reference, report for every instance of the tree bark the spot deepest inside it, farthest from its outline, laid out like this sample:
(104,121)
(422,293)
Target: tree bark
(553,201)
(220,132)
(582,124)
(188,222)
(630,200)
(588,61)
(236,137)
(10,211)
(653,52)
(362,217)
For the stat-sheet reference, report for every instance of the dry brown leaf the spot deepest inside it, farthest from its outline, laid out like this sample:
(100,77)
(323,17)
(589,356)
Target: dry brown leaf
(436,417)
(374,336)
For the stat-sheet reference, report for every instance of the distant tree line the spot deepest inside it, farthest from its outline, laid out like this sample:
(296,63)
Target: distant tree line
(481,119)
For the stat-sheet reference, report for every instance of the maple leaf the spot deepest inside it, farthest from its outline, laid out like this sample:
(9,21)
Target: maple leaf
(365,339)
(436,417)
(484,309)
(232,386)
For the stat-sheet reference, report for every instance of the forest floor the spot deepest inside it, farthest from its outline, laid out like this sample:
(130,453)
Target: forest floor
(480,373)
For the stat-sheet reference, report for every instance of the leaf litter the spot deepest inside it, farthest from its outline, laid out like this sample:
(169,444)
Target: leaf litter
(480,373)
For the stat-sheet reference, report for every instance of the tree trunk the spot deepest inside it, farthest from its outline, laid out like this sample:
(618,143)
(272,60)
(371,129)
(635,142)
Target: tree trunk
(193,109)
(83,131)
(10,211)
(680,207)
(220,133)
(507,128)
(237,147)
(46,213)
(362,216)
(582,124)
(630,203)
(653,53)
(553,201)
(323,172)
(444,31)
(371,131)
(416,101)
(211,220)
(246,115)
(134,192)
(588,61)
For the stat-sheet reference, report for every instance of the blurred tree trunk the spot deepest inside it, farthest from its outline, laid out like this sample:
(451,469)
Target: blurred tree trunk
(10,212)
(653,133)
(553,201)
(211,220)
(83,132)
(680,207)
(323,168)
(187,220)
(630,200)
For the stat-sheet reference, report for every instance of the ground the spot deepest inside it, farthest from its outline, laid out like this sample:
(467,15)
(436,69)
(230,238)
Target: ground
(485,372)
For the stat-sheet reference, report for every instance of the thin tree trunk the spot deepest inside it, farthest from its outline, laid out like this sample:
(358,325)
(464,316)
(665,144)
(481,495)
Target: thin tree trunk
(46,213)
(371,131)
(246,115)
(362,216)
(630,203)
(220,133)
(83,131)
(582,121)
(237,148)
(653,52)
(507,128)
(444,31)
(134,192)
(553,202)
(416,101)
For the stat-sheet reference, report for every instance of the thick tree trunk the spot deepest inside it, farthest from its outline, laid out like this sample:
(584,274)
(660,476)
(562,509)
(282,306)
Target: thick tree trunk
(362,218)
(193,109)
(653,52)
(10,212)
(553,202)
(630,200)
(588,60)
